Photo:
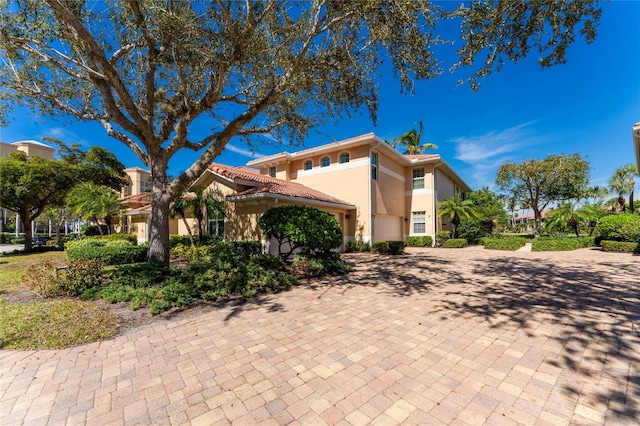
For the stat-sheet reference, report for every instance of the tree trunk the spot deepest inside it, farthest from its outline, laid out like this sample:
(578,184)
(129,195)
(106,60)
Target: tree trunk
(186,225)
(538,220)
(28,238)
(159,229)
(631,210)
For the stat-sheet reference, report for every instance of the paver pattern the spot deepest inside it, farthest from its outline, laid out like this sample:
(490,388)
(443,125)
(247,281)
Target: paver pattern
(459,336)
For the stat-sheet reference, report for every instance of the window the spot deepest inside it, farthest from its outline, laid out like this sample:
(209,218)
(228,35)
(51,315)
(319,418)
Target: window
(374,166)
(216,227)
(418,178)
(308,165)
(272,171)
(344,158)
(326,161)
(419,220)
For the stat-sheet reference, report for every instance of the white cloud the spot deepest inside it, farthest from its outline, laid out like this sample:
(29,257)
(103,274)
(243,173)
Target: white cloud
(485,153)
(242,151)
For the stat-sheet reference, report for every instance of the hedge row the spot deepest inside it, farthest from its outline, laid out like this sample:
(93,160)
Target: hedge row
(132,238)
(562,244)
(243,249)
(510,244)
(455,243)
(619,227)
(107,251)
(388,247)
(420,241)
(620,246)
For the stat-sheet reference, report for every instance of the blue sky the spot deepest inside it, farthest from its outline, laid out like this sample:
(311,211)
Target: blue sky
(586,106)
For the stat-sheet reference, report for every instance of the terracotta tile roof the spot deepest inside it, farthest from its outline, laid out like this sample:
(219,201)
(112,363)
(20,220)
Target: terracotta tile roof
(143,197)
(421,156)
(269,185)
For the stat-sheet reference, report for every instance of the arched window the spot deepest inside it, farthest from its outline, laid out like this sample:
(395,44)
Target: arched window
(344,157)
(326,161)
(308,165)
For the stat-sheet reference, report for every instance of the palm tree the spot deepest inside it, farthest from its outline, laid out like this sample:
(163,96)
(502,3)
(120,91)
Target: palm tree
(457,208)
(597,192)
(622,182)
(179,208)
(203,205)
(94,203)
(412,141)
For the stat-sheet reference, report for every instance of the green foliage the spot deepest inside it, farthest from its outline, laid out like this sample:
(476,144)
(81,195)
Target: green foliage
(619,227)
(455,243)
(412,140)
(562,244)
(110,252)
(442,236)
(94,202)
(175,239)
(132,238)
(358,246)
(244,249)
(330,264)
(308,229)
(80,276)
(420,241)
(388,247)
(509,244)
(620,246)
(457,209)
(537,183)
(473,230)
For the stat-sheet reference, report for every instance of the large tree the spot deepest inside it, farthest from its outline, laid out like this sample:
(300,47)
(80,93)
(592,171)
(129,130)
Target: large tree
(150,72)
(537,183)
(28,185)
(457,209)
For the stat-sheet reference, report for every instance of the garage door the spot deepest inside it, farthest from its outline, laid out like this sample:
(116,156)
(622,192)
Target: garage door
(387,228)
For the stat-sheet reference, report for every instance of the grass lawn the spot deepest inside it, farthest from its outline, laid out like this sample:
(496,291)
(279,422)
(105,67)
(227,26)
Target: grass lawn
(27,322)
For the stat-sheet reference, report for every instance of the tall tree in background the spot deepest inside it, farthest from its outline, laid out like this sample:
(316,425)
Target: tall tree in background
(412,140)
(622,182)
(537,183)
(28,185)
(151,71)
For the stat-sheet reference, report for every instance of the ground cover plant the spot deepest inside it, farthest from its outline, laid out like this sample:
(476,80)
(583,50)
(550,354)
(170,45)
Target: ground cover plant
(561,243)
(28,321)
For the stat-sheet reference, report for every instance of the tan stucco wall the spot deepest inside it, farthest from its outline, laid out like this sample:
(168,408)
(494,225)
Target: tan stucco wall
(36,150)
(6,149)
(138,180)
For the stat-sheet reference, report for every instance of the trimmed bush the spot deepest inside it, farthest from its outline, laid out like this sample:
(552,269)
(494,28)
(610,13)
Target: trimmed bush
(307,229)
(420,241)
(245,249)
(80,276)
(132,238)
(175,239)
(619,227)
(358,246)
(116,252)
(455,243)
(388,247)
(562,244)
(442,236)
(509,244)
(620,246)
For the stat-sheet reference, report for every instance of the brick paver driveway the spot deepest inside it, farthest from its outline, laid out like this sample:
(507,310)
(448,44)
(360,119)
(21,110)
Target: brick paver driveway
(436,336)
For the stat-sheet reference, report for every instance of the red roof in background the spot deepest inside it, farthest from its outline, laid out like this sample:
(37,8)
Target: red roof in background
(271,185)
(143,197)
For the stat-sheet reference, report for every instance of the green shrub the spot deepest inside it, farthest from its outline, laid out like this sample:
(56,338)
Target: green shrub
(388,247)
(561,244)
(420,241)
(473,230)
(442,236)
(455,243)
(509,244)
(619,227)
(330,264)
(93,231)
(304,228)
(358,246)
(245,249)
(620,246)
(80,276)
(142,275)
(132,238)
(175,239)
(109,253)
